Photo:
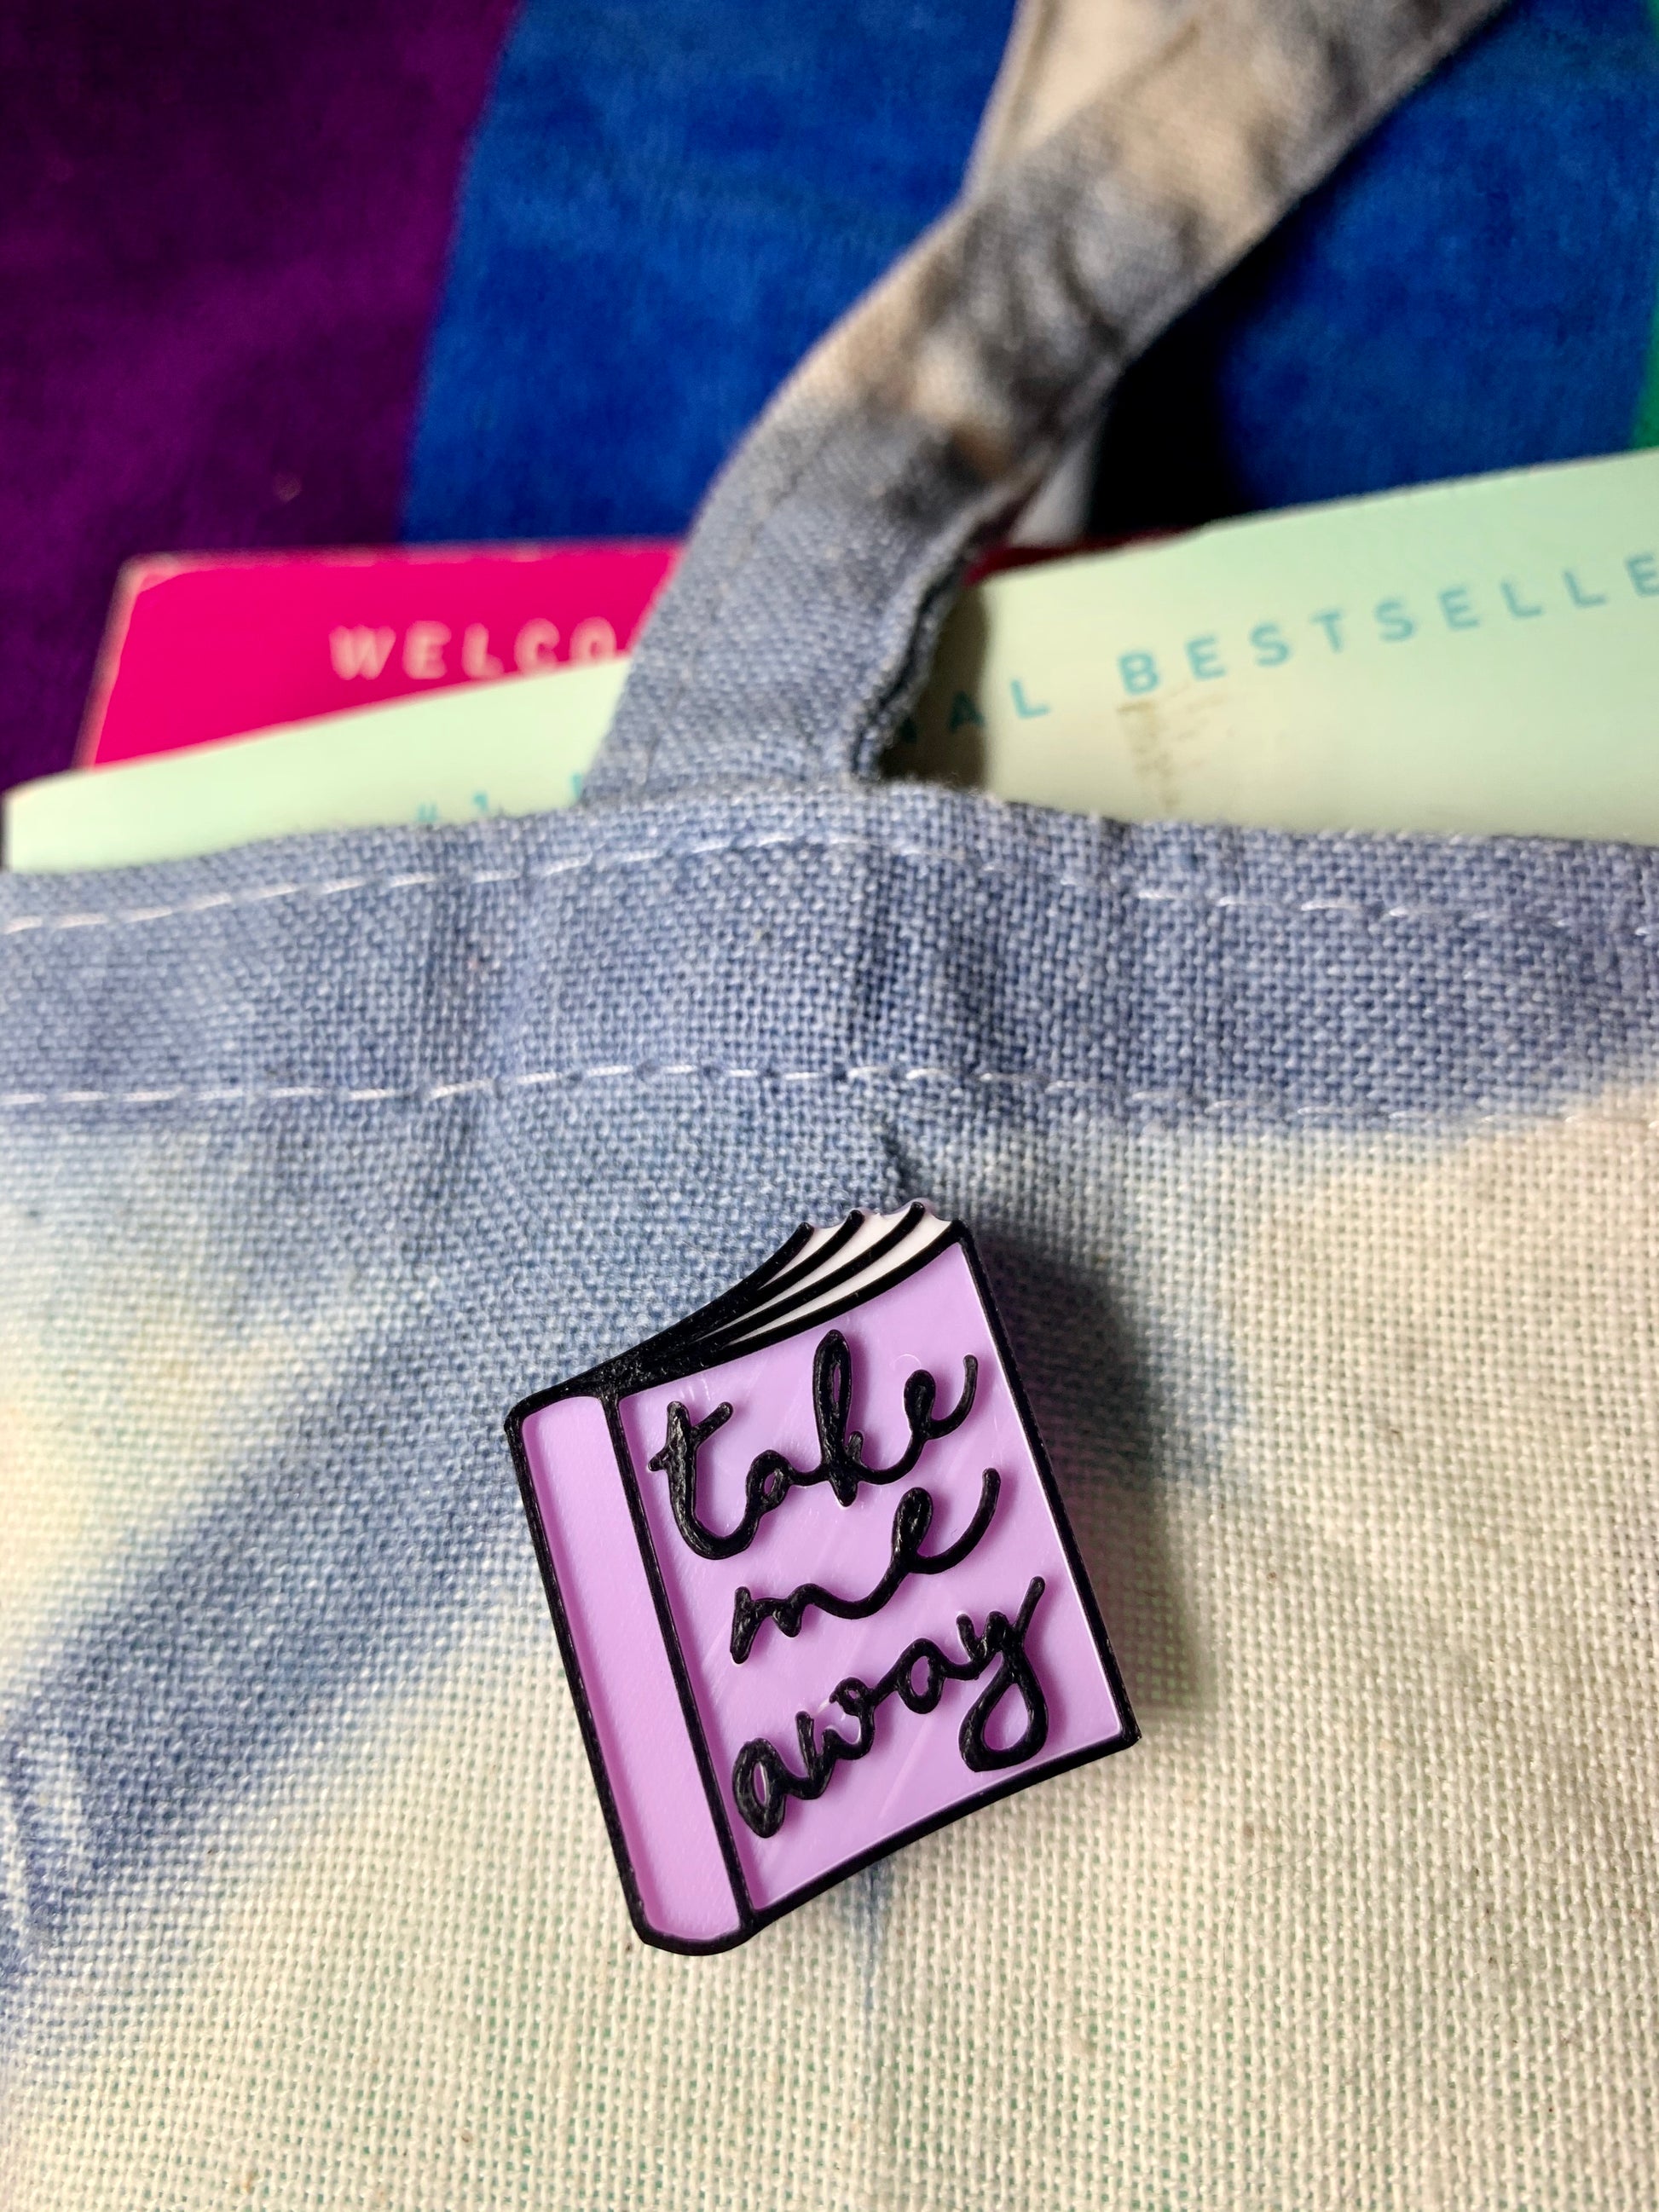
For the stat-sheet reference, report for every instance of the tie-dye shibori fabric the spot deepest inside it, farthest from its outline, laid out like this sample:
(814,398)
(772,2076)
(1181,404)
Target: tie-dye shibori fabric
(1317,1186)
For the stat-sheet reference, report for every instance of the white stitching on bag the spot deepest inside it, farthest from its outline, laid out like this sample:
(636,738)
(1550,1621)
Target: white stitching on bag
(1034,1083)
(944,856)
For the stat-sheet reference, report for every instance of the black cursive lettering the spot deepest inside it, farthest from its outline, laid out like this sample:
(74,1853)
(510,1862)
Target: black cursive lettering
(763,1781)
(912,1518)
(771,1476)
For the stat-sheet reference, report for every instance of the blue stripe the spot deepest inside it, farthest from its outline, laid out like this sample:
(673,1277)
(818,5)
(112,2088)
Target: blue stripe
(669,202)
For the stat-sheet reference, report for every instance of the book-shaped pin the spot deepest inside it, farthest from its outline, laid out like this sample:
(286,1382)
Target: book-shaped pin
(811,1580)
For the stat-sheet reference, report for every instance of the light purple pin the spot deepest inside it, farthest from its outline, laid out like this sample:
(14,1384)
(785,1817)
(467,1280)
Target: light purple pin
(813,1586)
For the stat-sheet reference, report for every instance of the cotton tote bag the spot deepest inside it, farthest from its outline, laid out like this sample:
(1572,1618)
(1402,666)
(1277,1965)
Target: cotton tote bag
(1316,1182)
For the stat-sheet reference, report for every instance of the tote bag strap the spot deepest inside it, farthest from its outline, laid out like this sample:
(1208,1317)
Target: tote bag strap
(798,626)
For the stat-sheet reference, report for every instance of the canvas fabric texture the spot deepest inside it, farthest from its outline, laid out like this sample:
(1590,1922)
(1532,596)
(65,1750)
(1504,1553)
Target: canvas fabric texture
(829,548)
(671,199)
(1474,291)
(1315,1180)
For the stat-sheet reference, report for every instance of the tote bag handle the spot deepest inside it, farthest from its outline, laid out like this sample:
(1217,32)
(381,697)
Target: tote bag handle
(799,624)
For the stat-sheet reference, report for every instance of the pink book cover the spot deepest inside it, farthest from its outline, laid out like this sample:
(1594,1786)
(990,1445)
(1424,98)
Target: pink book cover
(811,1577)
(203,647)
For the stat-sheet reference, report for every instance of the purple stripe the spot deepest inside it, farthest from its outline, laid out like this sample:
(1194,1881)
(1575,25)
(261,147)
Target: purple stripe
(226,230)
